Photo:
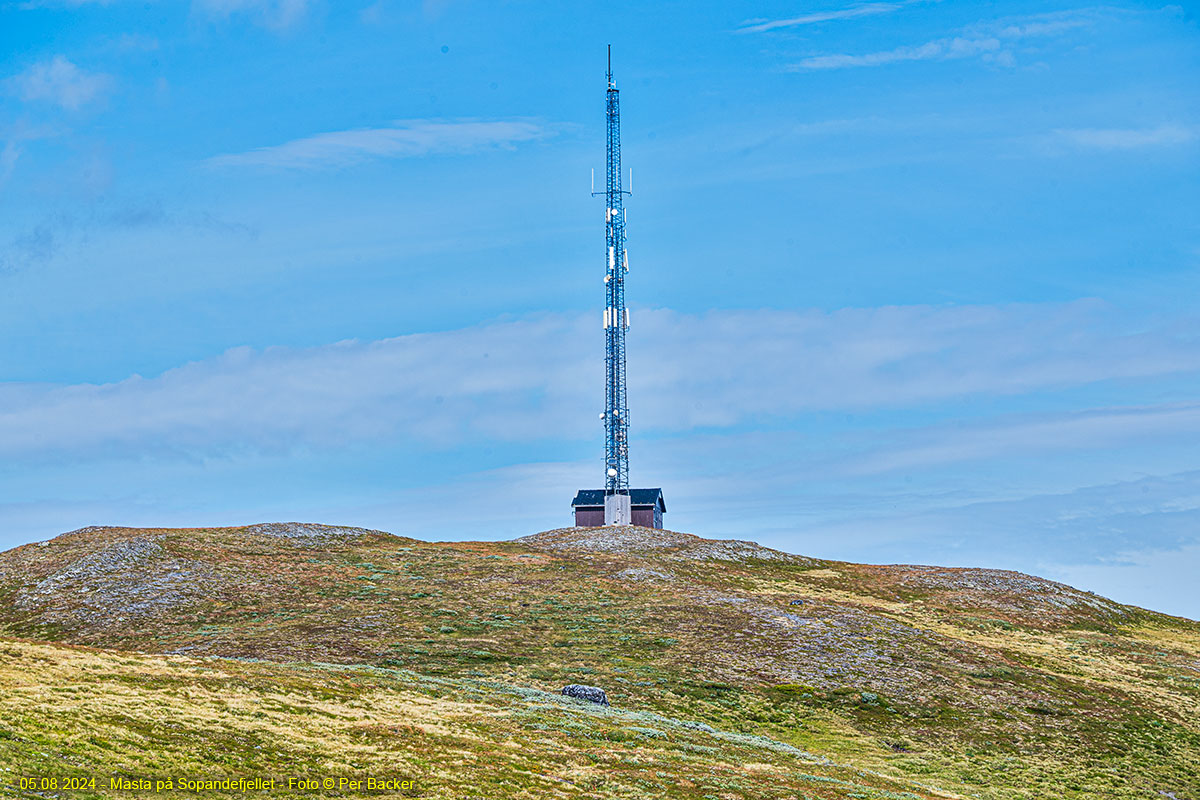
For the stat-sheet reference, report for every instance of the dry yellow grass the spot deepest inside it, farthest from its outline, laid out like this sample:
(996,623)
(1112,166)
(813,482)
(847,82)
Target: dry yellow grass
(248,652)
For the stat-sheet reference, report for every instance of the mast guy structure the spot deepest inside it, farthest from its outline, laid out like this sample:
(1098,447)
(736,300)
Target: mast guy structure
(621,505)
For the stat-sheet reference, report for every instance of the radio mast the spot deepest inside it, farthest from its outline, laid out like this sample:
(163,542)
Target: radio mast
(616,315)
(616,503)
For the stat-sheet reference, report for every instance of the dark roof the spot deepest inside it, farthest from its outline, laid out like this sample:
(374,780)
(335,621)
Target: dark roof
(637,497)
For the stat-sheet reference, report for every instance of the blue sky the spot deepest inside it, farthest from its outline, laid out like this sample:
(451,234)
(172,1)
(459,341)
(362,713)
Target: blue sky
(910,281)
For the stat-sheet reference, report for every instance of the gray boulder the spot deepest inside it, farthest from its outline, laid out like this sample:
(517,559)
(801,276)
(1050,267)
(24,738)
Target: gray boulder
(593,694)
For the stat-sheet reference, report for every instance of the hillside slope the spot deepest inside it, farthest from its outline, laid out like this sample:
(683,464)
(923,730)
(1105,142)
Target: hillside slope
(979,682)
(192,719)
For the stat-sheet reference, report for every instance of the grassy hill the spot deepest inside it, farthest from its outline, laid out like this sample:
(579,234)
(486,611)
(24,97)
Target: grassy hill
(735,671)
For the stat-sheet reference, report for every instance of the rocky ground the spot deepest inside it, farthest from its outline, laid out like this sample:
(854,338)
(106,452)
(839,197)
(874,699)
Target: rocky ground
(925,681)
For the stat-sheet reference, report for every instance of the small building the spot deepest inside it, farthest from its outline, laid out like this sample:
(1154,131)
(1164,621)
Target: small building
(646,505)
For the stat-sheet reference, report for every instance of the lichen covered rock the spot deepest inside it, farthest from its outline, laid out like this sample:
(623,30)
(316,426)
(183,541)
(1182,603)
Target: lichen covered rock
(593,694)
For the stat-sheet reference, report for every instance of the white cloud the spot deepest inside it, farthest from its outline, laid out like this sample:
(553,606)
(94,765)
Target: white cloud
(1093,428)
(135,43)
(372,14)
(14,138)
(1112,538)
(863,10)
(30,4)
(1155,579)
(721,367)
(1043,25)
(987,40)
(533,379)
(275,14)
(955,47)
(60,82)
(8,159)
(1127,138)
(408,139)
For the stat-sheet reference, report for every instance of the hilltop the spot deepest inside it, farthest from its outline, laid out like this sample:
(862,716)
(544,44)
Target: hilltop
(735,670)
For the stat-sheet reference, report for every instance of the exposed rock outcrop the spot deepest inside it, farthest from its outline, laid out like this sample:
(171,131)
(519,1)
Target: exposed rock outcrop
(592,694)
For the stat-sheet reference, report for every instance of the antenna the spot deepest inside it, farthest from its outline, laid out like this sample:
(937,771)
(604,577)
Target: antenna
(616,315)
(618,508)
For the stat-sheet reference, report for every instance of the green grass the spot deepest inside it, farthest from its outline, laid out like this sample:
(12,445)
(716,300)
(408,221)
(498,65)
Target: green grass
(72,713)
(988,685)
